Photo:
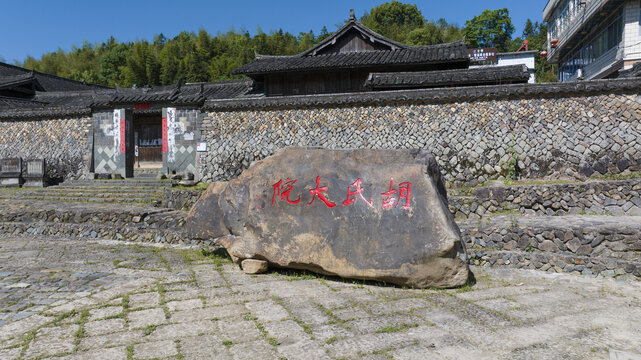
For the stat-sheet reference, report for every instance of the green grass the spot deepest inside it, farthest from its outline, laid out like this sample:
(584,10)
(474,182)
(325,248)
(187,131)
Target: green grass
(158,252)
(465,288)
(201,186)
(149,329)
(619,176)
(218,258)
(392,329)
(262,330)
(293,275)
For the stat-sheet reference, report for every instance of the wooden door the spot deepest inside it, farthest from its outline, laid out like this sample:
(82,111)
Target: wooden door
(148,140)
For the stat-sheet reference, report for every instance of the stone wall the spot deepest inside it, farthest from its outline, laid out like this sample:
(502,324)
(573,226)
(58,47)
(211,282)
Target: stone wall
(620,197)
(589,244)
(564,136)
(63,143)
(179,199)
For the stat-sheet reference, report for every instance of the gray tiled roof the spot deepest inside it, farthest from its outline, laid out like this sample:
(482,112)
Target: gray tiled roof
(634,71)
(409,55)
(317,58)
(47,81)
(60,103)
(10,81)
(7,103)
(464,93)
(424,79)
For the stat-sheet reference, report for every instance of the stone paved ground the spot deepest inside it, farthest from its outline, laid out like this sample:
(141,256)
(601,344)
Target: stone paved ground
(72,299)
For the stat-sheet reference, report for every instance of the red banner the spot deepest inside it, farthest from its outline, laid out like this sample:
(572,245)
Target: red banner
(122,136)
(164,134)
(141,106)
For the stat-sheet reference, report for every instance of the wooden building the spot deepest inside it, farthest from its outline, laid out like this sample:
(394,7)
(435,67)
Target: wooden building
(343,62)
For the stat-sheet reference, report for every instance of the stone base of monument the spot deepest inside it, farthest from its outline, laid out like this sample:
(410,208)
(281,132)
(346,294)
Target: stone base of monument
(102,176)
(362,214)
(10,180)
(253,266)
(34,182)
(11,172)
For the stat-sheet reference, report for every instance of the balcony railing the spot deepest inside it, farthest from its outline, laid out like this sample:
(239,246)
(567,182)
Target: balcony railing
(574,24)
(603,63)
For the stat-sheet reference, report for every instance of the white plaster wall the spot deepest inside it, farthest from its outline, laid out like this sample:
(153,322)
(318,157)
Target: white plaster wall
(631,31)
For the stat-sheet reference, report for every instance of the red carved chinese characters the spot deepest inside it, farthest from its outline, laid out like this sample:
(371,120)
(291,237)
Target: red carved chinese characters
(358,191)
(391,198)
(404,192)
(283,191)
(388,202)
(318,191)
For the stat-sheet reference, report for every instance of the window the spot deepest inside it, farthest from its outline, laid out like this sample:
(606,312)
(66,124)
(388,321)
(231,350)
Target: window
(609,38)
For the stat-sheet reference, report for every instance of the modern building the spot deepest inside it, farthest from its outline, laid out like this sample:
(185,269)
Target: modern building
(593,39)
(508,59)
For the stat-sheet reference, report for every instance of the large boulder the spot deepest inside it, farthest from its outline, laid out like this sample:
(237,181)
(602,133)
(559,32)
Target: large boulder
(363,214)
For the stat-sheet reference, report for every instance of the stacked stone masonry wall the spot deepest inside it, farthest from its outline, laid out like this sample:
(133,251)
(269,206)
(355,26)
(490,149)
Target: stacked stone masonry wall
(180,199)
(621,197)
(63,143)
(596,243)
(474,141)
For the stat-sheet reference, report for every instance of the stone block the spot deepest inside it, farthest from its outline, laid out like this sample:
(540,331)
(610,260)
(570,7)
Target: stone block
(254,266)
(372,214)
(36,174)
(11,172)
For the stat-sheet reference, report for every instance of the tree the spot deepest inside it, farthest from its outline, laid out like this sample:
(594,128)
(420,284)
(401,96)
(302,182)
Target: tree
(493,28)
(451,32)
(323,34)
(429,34)
(536,35)
(394,20)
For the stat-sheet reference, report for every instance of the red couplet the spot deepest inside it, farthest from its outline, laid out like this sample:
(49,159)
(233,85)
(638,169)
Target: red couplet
(122,136)
(164,134)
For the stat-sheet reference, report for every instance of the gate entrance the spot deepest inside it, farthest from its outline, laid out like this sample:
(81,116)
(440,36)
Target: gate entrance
(147,142)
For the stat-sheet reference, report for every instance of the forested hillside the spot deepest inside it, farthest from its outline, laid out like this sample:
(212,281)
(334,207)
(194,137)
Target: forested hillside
(197,57)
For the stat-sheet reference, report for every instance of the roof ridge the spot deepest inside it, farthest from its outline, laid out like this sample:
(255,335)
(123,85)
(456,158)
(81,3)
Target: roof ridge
(455,71)
(50,75)
(62,93)
(351,23)
(262,56)
(21,100)
(447,44)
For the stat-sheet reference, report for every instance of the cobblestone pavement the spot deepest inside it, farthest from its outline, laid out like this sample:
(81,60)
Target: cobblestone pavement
(71,299)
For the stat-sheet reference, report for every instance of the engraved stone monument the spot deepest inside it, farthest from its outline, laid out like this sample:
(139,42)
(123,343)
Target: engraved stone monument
(36,173)
(363,214)
(11,172)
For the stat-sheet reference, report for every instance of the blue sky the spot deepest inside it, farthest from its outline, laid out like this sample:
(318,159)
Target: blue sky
(37,27)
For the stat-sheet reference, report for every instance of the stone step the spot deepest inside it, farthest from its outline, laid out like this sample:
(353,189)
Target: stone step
(109,214)
(85,199)
(145,175)
(55,189)
(555,262)
(126,182)
(607,237)
(100,231)
(612,197)
(92,194)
